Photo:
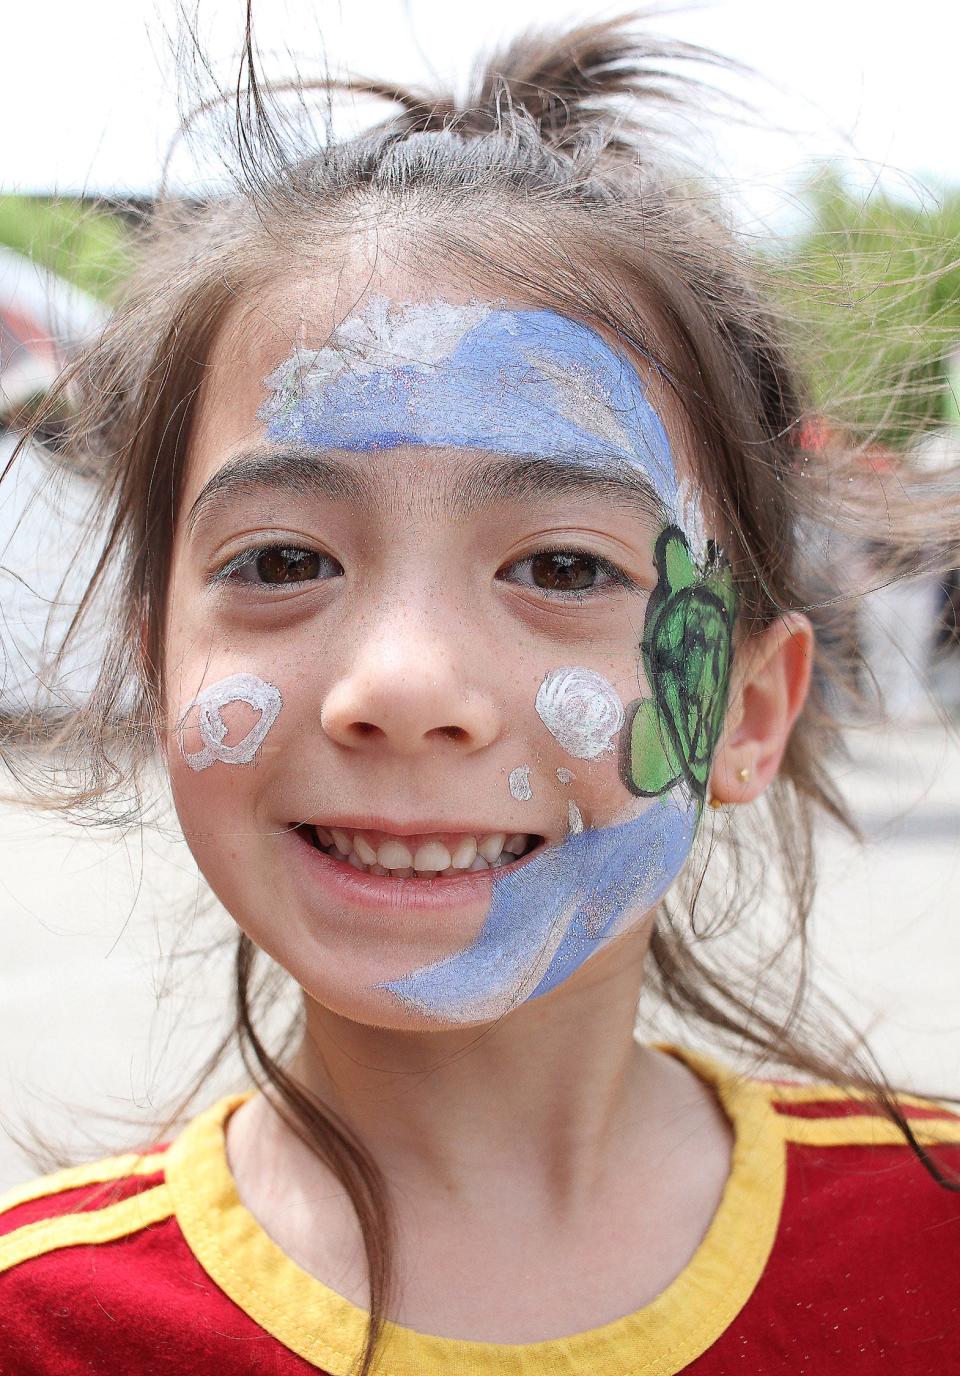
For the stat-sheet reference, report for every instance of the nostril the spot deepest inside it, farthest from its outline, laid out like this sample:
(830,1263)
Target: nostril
(452,733)
(366,728)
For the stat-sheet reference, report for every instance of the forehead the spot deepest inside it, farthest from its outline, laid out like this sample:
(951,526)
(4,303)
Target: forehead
(324,366)
(301,308)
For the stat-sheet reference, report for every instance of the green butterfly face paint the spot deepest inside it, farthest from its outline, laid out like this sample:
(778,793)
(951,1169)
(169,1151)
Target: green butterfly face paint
(687,652)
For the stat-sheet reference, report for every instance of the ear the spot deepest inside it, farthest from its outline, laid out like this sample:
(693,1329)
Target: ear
(769,687)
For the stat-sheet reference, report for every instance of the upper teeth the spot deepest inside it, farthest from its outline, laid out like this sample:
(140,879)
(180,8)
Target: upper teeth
(423,855)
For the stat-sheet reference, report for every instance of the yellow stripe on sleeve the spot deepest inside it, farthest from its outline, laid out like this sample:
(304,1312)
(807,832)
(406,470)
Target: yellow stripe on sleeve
(75,1177)
(85,1229)
(863,1130)
(832,1094)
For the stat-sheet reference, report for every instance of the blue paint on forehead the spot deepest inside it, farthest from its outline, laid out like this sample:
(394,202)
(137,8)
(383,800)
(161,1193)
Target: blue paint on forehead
(528,383)
(549,916)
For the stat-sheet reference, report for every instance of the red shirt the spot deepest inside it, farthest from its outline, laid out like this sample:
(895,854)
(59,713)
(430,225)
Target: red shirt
(832,1252)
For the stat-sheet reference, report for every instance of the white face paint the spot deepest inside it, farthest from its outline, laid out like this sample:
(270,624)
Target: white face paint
(259,694)
(565,775)
(381,338)
(574,818)
(581,709)
(520,783)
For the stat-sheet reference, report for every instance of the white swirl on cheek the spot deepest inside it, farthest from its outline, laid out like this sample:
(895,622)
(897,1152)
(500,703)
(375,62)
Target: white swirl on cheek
(263,697)
(581,709)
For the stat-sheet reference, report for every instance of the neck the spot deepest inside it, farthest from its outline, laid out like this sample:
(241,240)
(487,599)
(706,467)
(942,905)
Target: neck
(551,1126)
(548,1085)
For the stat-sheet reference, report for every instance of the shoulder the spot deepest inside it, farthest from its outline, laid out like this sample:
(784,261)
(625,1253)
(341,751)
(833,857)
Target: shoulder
(843,1243)
(827,1115)
(869,1231)
(840,1157)
(822,1115)
(98,1202)
(101,1268)
(857,1178)
(86,1255)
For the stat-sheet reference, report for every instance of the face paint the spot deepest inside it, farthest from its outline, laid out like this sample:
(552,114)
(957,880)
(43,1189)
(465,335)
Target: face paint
(581,709)
(259,694)
(536,384)
(550,915)
(471,377)
(520,783)
(687,652)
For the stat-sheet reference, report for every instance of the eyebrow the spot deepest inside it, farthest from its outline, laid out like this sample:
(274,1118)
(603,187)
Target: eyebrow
(281,468)
(489,480)
(486,481)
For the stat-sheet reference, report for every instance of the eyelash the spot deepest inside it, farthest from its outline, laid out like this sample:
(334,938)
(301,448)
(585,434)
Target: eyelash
(248,559)
(611,572)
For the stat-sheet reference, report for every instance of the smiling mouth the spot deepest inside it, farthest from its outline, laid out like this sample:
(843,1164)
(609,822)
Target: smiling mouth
(422,857)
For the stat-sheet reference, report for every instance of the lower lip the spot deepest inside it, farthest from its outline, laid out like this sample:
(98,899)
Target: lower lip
(348,885)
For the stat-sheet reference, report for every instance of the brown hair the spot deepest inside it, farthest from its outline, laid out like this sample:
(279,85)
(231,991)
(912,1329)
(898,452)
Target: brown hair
(551,180)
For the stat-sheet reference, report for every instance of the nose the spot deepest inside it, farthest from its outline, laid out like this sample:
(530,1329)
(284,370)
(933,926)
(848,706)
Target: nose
(406,690)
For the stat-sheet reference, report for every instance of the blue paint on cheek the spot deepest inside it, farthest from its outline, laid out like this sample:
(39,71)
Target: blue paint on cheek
(548,917)
(514,382)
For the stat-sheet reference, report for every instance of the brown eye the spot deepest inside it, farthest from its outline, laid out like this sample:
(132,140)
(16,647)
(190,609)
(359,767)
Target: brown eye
(560,572)
(573,573)
(280,565)
(272,566)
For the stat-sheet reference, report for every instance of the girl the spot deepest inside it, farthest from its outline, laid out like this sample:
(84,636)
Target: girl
(452,494)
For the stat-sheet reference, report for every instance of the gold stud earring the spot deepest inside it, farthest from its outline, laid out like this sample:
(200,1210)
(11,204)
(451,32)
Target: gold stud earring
(744,774)
(714,802)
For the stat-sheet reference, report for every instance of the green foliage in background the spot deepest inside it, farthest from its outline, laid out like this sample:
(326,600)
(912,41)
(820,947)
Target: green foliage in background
(872,285)
(89,247)
(876,282)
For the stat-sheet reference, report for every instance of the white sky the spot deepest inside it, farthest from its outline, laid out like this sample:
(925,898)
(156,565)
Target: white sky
(88,96)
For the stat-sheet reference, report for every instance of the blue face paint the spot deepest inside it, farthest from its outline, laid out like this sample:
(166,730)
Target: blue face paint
(536,384)
(548,917)
(470,377)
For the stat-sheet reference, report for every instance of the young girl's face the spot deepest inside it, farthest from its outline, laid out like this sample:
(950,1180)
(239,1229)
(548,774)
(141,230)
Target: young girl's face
(446,653)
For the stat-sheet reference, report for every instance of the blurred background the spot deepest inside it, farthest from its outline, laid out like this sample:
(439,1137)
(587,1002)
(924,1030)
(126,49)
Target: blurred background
(841,167)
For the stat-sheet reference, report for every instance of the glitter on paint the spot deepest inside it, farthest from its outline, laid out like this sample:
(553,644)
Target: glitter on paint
(581,709)
(520,783)
(263,697)
(550,915)
(532,383)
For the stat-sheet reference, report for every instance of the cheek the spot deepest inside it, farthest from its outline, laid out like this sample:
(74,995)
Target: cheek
(218,741)
(581,716)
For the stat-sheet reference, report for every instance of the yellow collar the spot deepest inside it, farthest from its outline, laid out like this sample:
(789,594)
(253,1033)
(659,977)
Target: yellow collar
(658,1340)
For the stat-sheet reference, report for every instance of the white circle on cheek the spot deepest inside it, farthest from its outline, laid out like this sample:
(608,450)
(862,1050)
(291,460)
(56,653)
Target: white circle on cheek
(581,709)
(260,695)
